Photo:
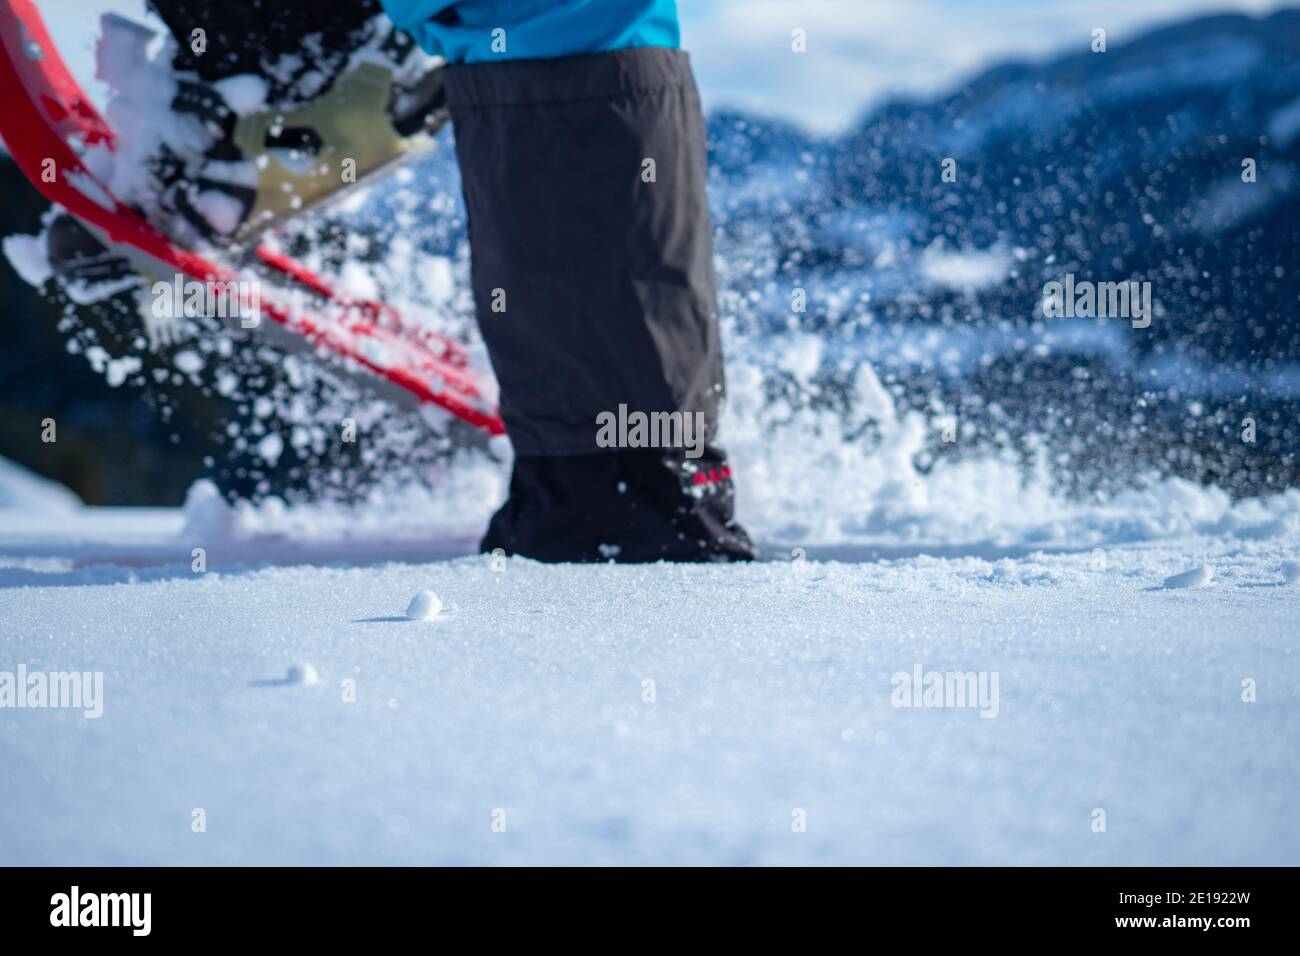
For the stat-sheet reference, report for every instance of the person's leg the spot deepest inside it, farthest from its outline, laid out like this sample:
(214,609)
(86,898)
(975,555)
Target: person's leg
(584,180)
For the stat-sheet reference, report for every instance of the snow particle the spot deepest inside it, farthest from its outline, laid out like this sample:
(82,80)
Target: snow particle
(244,93)
(188,361)
(270,448)
(1291,572)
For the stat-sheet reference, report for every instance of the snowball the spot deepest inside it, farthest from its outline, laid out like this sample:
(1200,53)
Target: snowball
(425,606)
(1291,572)
(303,674)
(1195,578)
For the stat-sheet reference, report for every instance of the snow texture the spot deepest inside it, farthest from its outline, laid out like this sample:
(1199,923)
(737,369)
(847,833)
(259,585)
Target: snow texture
(653,714)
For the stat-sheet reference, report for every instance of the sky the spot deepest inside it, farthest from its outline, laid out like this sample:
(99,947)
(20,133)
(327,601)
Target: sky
(861,50)
(857,50)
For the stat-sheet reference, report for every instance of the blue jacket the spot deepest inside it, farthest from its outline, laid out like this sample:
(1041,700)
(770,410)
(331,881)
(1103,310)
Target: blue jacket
(470,31)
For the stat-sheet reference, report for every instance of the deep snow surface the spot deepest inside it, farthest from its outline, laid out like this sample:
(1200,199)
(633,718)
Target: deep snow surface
(224,691)
(1143,646)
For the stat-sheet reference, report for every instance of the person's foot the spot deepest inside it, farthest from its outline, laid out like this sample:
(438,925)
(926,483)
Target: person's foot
(220,159)
(629,506)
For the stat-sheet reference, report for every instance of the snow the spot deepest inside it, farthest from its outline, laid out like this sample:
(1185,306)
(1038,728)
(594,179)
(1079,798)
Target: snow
(640,714)
(223,211)
(134,64)
(91,190)
(1133,653)
(1291,572)
(270,447)
(188,361)
(302,674)
(21,489)
(357,279)
(245,94)
(967,270)
(1197,577)
(28,256)
(243,173)
(115,370)
(425,606)
(805,477)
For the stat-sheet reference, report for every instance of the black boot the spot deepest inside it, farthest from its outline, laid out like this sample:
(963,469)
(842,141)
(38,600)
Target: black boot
(627,506)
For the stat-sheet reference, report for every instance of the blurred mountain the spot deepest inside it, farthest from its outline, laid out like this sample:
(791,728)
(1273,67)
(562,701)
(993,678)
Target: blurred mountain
(1115,165)
(1122,165)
